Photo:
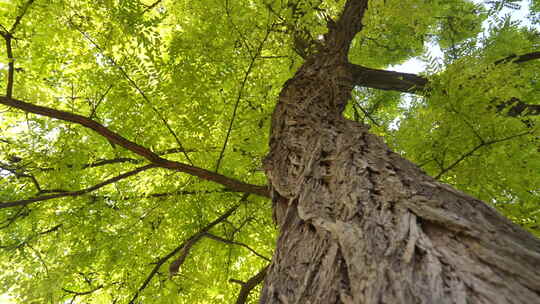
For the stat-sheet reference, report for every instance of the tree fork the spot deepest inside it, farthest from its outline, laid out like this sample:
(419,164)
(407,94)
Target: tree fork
(360,224)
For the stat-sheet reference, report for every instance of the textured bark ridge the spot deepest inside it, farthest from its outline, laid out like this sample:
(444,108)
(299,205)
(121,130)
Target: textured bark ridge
(359,224)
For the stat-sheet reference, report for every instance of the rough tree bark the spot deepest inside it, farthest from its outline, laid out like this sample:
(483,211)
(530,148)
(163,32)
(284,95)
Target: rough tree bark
(359,224)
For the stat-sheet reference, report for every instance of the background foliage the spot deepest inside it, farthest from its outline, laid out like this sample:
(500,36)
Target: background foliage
(196,81)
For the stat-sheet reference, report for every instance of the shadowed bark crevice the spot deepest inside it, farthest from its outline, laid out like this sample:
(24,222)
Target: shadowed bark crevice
(360,224)
(404,237)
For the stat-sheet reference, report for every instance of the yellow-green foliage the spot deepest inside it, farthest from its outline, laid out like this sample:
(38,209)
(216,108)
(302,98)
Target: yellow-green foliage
(170,76)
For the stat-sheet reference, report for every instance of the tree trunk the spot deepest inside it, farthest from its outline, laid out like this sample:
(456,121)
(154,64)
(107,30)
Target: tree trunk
(360,224)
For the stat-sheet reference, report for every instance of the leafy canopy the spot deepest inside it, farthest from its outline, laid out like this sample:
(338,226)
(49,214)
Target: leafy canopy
(196,82)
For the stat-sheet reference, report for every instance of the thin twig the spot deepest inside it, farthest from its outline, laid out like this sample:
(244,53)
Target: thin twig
(31,238)
(239,97)
(151,6)
(136,87)
(482,144)
(4,30)
(228,182)
(185,245)
(75,193)
(18,174)
(40,258)
(464,117)
(168,194)
(242,37)
(82,293)
(22,212)
(367,114)
(425,162)
(220,239)
(94,109)
(20,16)
(52,229)
(119,160)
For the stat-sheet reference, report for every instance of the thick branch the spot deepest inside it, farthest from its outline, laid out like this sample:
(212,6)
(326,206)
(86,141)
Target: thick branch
(136,148)
(519,58)
(183,249)
(517,108)
(387,80)
(8,36)
(341,33)
(75,193)
(412,83)
(249,285)
(11,65)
